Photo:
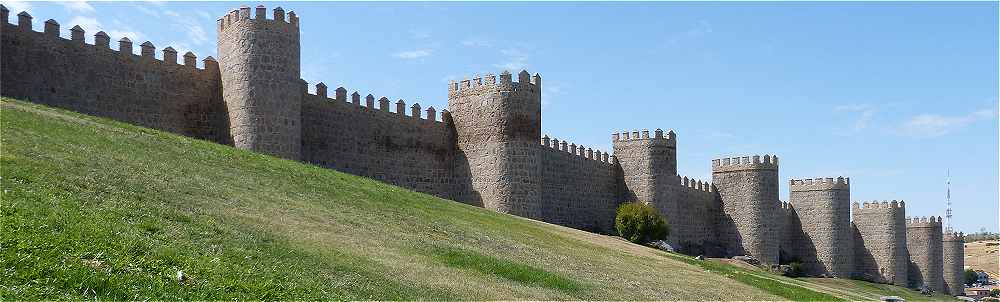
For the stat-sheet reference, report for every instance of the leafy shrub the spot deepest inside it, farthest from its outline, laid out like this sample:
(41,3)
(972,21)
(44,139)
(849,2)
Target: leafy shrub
(970,277)
(795,269)
(639,222)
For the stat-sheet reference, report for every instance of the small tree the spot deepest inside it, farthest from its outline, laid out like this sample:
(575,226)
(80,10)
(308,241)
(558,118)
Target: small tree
(639,222)
(970,277)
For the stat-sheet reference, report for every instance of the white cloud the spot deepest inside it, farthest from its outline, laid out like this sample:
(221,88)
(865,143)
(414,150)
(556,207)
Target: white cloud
(477,42)
(515,59)
(89,24)
(412,54)
(78,6)
(701,29)
(931,125)
(146,10)
(420,34)
(191,26)
(550,91)
(865,112)
(17,6)
(118,34)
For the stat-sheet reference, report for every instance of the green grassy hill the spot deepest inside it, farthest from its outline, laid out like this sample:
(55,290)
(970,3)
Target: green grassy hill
(96,208)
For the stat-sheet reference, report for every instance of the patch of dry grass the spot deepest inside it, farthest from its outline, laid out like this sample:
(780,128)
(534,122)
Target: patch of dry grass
(983,255)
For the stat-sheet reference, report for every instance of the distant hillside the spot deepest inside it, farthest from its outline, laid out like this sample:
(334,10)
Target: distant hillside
(99,209)
(984,255)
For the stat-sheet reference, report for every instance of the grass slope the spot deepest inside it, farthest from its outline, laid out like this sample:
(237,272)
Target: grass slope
(93,208)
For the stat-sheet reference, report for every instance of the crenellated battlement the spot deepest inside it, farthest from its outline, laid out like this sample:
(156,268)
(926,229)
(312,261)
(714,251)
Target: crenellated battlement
(953,236)
(643,136)
(102,43)
(242,15)
(878,205)
(755,162)
(695,184)
(254,98)
(819,184)
(577,150)
(490,84)
(340,97)
(923,221)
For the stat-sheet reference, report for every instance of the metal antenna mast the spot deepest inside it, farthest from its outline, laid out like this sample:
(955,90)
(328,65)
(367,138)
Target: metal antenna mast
(947,213)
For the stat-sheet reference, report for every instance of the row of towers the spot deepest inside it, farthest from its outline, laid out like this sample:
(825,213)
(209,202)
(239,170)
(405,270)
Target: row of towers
(497,124)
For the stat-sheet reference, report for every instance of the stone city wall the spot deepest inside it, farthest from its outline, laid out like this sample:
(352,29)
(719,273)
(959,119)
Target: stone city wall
(923,241)
(498,127)
(485,152)
(579,186)
(823,206)
(408,150)
(954,263)
(750,222)
(692,209)
(880,245)
(159,93)
(261,82)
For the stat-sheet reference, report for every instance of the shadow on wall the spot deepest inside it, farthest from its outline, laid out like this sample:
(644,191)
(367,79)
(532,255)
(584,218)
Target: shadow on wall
(864,261)
(916,278)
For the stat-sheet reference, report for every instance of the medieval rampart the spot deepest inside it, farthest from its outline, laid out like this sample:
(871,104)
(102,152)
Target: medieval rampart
(748,189)
(823,206)
(953,262)
(94,79)
(579,186)
(880,242)
(484,152)
(923,241)
(408,150)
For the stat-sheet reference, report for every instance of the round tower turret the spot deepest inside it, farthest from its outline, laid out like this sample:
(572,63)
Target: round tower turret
(498,126)
(924,241)
(880,253)
(954,263)
(823,206)
(748,188)
(261,84)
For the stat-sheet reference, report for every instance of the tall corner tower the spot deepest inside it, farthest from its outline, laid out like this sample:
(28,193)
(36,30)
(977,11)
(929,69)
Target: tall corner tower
(880,246)
(647,163)
(823,206)
(498,125)
(750,222)
(261,83)
(954,263)
(924,242)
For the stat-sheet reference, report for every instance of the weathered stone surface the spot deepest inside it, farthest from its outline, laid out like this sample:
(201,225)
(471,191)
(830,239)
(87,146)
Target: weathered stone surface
(750,222)
(261,84)
(880,242)
(924,243)
(954,263)
(823,207)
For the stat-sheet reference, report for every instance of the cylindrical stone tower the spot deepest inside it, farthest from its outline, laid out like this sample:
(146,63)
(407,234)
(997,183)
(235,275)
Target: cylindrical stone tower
(880,242)
(751,221)
(954,263)
(498,127)
(823,206)
(261,85)
(924,241)
(649,166)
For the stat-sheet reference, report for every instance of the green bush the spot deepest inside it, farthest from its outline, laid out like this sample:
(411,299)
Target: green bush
(795,269)
(639,222)
(970,277)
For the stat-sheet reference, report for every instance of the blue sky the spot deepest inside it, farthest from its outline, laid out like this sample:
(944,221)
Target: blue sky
(889,94)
